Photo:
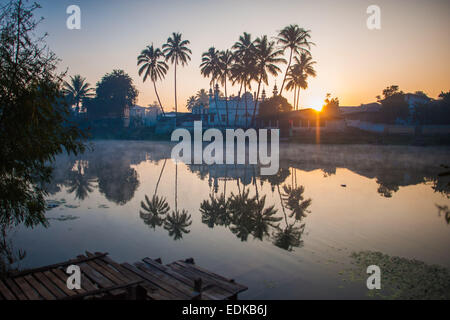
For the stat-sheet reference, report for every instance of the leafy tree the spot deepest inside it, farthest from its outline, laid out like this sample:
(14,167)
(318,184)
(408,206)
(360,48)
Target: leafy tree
(77,90)
(331,107)
(34,125)
(393,105)
(274,105)
(115,92)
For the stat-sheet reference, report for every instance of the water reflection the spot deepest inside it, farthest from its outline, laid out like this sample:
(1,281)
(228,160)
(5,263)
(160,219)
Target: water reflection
(110,169)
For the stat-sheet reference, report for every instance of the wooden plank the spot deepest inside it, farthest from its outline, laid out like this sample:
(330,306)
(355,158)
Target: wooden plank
(50,285)
(130,275)
(174,295)
(15,289)
(39,287)
(158,266)
(228,283)
(174,283)
(207,280)
(5,292)
(111,269)
(104,290)
(95,277)
(57,265)
(64,276)
(27,289)
(59,283)
(106,273)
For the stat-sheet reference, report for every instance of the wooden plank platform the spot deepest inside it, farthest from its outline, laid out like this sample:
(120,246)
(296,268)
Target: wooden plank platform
(103,278)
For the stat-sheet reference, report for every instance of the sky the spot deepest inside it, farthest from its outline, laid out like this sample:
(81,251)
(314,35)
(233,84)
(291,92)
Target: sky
(355,64)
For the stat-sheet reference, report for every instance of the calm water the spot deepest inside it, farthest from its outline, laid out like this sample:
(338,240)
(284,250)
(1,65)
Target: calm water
(362,198)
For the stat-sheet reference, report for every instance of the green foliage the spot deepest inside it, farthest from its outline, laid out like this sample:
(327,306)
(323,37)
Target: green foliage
(402,278)
(273,106)
(393,105)
(34,119)
(115,91)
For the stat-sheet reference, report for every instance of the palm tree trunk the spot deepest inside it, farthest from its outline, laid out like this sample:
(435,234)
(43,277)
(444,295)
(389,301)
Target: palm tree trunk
(176,108)
(157,95)
(226,100)
(256,100)
(160,175)
(287,71)
(237,106)
(295,96)
(298,96)
(245,94)
(215,101)
(176,186)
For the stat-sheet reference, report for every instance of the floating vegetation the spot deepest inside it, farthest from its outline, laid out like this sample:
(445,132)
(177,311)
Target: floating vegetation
(103,206)
(401,278)
(51,204)
(71,206)
(64,218)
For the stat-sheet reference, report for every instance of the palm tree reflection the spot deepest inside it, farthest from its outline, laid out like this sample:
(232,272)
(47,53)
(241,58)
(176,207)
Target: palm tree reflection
(154,211)
(176,224)
(247,215)
(79,181)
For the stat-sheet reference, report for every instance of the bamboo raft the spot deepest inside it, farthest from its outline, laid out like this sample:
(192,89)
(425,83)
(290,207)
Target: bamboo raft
(103,278)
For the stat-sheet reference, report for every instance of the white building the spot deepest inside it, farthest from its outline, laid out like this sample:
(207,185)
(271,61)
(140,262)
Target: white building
(240,109)
(145,116)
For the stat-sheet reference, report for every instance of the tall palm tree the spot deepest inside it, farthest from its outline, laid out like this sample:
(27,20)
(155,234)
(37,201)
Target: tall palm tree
(77,90)
(243,72)
(226,59)
(297,40)
(210,67)
(299,73)
(267,58)
(153,66)
(177,52)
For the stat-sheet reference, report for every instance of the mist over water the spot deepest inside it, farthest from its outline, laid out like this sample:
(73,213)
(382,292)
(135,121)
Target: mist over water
(353,198)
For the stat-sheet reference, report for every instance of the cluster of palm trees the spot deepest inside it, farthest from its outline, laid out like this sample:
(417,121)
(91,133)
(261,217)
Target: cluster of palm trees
(248,215)
(153,61)
(252,61)
(248,61)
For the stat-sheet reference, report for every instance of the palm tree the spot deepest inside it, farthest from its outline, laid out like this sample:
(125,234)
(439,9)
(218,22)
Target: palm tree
(77,90)
(191,102)
(177,224)
(80,182)
(267,58)
(295,202)
(226,59)
(154,211)
(297,40)
(295,81)
(210,68)
(300,71)
(202,97)
(176,51)
(243,71)
(215,211)
(153,66)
